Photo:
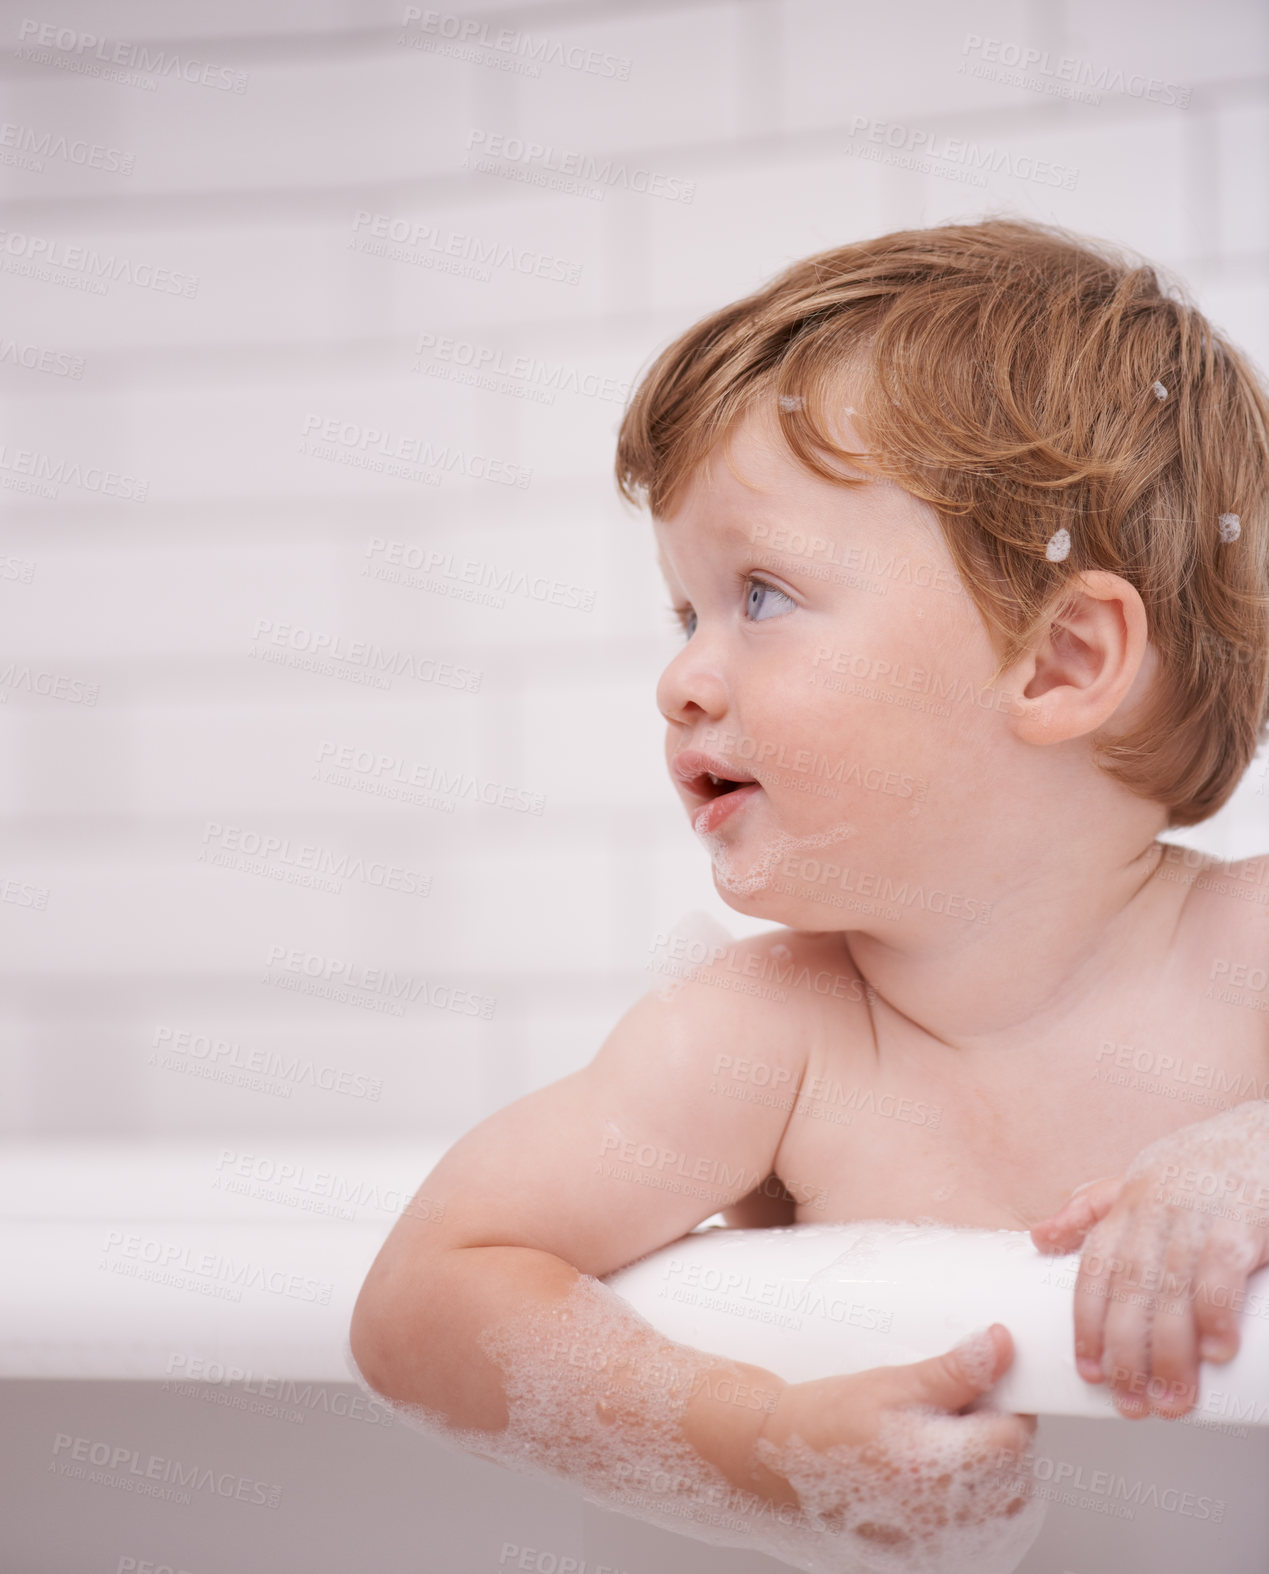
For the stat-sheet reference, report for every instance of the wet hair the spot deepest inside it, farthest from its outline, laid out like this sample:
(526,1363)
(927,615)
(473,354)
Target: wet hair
(1062,405)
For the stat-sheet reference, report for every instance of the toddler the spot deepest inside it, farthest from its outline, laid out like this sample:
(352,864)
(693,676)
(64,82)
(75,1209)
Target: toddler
(966,532)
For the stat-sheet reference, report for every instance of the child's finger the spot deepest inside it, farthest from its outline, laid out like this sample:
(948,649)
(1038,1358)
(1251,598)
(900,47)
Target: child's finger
(1227,1258)
(1126,1324)
(958,1376)
(1092,1286)
(1174,1334)
(1086,1206)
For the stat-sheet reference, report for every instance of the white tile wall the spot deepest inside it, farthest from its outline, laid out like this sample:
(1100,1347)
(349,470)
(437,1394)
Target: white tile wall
(256,194)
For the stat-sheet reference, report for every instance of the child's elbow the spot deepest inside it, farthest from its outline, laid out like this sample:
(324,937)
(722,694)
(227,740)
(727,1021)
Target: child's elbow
(369,1340)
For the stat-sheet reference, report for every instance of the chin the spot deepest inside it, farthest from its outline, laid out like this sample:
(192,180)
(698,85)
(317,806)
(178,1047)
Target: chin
(763,903)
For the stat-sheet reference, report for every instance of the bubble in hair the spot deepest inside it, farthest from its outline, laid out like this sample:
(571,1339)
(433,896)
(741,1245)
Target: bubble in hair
(1231,527)
(1159,391)
(1059,546)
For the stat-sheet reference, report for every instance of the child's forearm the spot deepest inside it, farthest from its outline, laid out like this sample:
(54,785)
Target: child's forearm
(574,1380)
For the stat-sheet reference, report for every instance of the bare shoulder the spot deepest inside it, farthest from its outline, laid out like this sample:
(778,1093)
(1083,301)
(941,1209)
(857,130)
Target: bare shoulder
(787,980)
(1227,919)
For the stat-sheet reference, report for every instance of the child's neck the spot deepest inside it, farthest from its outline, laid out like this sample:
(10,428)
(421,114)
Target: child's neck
(1057,932)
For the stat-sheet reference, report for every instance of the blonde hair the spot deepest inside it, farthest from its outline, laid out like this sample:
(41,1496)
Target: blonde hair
(1021,380)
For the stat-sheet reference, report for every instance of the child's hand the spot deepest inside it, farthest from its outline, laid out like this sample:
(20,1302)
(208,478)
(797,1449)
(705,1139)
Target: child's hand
(872,1455)
(1168,1247)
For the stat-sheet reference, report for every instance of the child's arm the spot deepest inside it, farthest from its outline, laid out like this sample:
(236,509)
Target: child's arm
(570,1183)
(484,1307)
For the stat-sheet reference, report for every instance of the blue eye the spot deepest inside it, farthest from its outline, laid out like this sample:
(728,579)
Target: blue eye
(685,616)
(759,588)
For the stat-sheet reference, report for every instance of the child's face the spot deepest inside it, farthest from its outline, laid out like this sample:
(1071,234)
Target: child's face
(835,660)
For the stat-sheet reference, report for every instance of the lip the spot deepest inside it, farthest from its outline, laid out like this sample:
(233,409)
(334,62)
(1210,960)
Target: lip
(691,767)
(723,806)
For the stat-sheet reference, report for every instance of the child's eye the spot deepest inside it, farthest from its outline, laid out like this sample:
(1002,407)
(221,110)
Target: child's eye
(758,589)
(684,616)
(755,602)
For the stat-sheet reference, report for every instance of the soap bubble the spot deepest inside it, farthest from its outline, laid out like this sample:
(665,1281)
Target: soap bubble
(927,1496)
(922,1498)
(1059,546)
(1231,527)
(1160,392)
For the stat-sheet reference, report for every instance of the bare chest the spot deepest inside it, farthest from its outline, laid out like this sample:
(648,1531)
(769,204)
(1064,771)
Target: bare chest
(903,1127)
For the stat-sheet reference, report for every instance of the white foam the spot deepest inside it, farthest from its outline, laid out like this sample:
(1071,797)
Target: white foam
(1160,392)
(1059,547)
(929,1492)
(1231,527)
(726,864)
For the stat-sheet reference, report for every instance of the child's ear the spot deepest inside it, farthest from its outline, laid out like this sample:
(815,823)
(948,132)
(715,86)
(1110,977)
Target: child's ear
(1092,655)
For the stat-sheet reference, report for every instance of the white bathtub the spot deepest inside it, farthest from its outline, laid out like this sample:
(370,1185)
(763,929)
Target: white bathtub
(126,1441)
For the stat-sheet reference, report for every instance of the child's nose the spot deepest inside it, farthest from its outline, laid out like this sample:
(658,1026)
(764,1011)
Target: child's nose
(692,684)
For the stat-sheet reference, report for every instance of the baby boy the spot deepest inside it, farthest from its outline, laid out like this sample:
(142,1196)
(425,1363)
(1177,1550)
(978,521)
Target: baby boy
(967,534)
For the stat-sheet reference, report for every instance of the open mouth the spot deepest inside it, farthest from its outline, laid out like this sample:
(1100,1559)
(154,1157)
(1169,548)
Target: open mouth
(707,777)
(721,784)
(706,784)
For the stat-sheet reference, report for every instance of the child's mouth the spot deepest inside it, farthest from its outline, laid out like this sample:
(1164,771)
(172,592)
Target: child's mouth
(730,798)
(718,788)
(706,776)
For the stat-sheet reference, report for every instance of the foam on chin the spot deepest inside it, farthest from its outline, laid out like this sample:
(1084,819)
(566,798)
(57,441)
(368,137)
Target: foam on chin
(727,870)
